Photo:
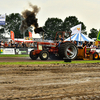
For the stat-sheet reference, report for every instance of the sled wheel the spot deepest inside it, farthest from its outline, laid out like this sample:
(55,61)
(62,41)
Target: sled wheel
(95,56)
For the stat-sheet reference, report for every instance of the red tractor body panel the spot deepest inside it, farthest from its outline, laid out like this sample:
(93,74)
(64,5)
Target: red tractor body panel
(51,47)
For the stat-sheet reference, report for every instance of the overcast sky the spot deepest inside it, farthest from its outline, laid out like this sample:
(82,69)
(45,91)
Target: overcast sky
(87,11)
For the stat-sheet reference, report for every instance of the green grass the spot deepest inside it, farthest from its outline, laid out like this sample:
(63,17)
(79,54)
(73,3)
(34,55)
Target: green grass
(86,61)
(43,62)
(48,62)
(14,55)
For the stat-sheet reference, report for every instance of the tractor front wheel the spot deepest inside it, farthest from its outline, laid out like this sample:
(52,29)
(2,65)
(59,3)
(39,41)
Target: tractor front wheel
(33,57)
(44,55)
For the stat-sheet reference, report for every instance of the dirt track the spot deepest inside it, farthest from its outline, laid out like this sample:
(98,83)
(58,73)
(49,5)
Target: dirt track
(15,59)
(50,82)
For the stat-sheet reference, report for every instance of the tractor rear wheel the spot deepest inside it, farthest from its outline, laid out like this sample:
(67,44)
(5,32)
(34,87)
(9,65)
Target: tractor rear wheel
(44,54)
(33,57)
(68,50)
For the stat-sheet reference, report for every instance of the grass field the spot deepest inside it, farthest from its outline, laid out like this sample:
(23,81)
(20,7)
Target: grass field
(14,55)
(43,62)
(47,62)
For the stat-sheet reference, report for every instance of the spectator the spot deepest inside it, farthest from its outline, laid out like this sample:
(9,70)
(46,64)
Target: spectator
(84,44)
(5,44)
(24,44)
(27,45)
(75,42)
(20,45)
(89,44)
(2,44)
(9,45)
(14,44)
(93,45)
(79,44)
(17,45)
(32,44)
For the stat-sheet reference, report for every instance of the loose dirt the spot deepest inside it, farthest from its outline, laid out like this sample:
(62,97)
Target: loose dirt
(50,82)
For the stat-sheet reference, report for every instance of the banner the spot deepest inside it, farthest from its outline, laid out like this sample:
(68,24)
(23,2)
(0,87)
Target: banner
(7,51)
(98,36)
(12,35)
(28,38)
(76,29)
(21,51)
(2,19)
(30,34)
(18,51)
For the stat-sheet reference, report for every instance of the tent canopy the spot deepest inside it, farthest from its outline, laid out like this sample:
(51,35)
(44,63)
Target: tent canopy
(79,37)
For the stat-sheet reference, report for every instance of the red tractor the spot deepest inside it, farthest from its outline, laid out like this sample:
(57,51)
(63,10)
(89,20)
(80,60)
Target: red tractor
(44,50)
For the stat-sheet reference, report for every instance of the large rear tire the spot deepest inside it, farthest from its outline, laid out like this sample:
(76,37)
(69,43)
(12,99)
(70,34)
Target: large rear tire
(33,57)
(68,50)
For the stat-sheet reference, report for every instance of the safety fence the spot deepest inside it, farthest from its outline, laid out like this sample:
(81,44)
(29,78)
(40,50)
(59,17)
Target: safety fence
(15,51)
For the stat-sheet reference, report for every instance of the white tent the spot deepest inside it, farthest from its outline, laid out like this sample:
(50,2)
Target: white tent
(79,37)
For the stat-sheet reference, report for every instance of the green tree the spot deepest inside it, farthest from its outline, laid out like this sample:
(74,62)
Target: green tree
(93,33)
(13,22)
(72,21)
(52,25)
(1,31)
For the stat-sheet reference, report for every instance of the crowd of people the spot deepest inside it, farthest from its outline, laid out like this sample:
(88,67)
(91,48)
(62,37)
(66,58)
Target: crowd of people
(86,44)
(13,44)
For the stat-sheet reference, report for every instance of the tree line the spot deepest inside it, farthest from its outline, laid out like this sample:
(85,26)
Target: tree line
(52,25)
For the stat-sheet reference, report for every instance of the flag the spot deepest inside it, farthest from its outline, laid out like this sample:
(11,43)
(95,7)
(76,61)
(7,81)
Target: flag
(2,19)
(12,35)
(76,29)
(30,34)
(98,36)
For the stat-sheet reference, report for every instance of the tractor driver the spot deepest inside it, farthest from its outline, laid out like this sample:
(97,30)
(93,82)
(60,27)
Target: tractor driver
(60,40)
